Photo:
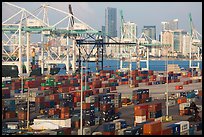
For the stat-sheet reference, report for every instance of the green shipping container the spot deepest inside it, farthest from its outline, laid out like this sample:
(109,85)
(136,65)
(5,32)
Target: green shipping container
(138,78)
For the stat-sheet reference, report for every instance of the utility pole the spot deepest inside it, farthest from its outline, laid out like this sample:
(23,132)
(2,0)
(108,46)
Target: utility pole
(167,101)
(81,98)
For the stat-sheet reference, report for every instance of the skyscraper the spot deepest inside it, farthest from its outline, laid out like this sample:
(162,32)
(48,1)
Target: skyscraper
(111,21)
(130,31)
(178,40)
(171,25)
(150,31)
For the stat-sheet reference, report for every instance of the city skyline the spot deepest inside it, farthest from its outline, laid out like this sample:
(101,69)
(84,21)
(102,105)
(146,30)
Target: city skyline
(141,13)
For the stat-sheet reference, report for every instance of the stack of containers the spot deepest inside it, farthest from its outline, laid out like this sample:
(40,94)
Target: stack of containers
(39,103)
(184,127)
(183,108)
(66,105)
(107,107)
(15,85)
(181,100)
(139,116)
(123,81)
(178,87)
(191,97)
(120,126)
(109,128)
(138,130)
(138,112)
(6,93)
(133,81)
(9,108)
(88,113)
(152,128)
(166,130)
(140,96)
(155,110)
(175,128)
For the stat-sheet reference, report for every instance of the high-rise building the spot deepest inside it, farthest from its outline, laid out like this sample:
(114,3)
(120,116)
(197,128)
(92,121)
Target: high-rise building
(150,31)
(167,37)
(178,40)
(186,44)
(111,21)
(130,31)
(170,25)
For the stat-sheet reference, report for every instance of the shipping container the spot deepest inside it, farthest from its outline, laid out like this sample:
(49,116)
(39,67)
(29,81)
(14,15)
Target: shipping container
(149,128)
(138,130)
(184,125)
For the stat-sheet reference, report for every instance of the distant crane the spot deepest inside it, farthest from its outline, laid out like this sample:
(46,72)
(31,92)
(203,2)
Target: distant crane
(195,41)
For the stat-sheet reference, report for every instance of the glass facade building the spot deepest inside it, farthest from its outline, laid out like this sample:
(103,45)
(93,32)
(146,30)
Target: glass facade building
(111,21)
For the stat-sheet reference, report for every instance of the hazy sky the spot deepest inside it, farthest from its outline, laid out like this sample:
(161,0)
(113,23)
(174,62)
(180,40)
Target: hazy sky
(141,13)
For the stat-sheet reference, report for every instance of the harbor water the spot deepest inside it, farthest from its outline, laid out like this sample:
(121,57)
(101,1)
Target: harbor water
(155,65)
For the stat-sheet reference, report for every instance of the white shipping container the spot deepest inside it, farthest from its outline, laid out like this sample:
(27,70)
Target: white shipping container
(183,105)
(184,133)
(34,23)
(199,108)
(171,103)
(90,99)
(121,131)
(97,121)
(116,105)
(59,122)
(79,26)
(86,131)
(184,125)
(158,119)
(140,119)
(78,104)
(117,125)
(189,100)
(97,133)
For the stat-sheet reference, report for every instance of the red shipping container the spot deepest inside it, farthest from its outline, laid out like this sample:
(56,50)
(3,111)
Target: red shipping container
(167,131)
(152,128)
(47,104)
(112,88)
(108,133)
(154,107)
(189,81)
(10,114)
(63,89)
(185,83)
(178,87)
(54,97)
(104,107)
(140,112)
(39,99)
(67,131)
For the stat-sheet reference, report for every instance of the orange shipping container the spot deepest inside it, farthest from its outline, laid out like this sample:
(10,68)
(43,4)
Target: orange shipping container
(64,115)
(152,128)
(182,100)
(22,115)
(64,109)
(86,106)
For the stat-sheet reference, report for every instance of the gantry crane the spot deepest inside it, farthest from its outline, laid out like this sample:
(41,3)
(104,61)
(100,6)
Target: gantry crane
(194,41)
